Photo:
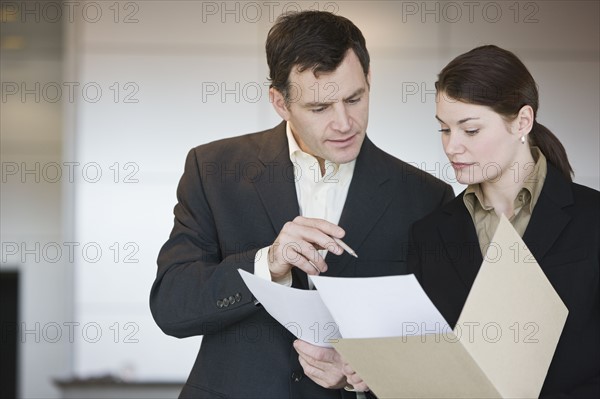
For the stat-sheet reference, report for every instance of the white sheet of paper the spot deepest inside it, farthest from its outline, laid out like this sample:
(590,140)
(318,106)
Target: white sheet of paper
(302,312)
(388,306)
(376,307)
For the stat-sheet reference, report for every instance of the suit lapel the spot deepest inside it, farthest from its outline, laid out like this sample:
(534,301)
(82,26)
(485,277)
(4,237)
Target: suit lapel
(460,242)
(458,231)
(548,220)
(368,197)
(276,187)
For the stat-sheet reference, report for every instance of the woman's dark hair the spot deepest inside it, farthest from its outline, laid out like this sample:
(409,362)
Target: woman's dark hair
(315,40)
(494,77)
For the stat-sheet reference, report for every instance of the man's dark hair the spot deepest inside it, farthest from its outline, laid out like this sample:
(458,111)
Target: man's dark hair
(315,40)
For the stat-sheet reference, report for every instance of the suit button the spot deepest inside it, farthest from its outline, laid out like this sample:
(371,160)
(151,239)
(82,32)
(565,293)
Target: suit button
(238,297)
(219,304)
(231,300)
(225,302)
(297,376)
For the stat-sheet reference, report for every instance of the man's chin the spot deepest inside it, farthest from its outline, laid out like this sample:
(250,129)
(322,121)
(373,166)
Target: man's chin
(342,156)
(344,160)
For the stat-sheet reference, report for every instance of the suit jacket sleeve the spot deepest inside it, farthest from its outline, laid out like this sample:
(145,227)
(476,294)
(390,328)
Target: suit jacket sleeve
(197,289)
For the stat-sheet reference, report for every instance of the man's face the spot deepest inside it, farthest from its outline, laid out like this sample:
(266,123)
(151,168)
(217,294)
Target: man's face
(328,115)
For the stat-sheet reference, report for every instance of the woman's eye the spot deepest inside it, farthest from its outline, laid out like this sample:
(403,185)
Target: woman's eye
(472,131)
(444,130)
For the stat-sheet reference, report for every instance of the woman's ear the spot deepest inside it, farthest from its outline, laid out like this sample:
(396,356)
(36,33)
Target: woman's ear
(279,103)
(524,120)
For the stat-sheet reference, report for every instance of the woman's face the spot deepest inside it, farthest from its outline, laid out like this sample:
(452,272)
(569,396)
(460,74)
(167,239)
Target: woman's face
(481,146)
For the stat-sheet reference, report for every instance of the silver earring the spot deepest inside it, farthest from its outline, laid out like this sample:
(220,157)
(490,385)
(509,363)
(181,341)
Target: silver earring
(523,139)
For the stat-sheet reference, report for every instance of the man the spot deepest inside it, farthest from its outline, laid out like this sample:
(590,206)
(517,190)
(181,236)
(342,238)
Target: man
(313,177)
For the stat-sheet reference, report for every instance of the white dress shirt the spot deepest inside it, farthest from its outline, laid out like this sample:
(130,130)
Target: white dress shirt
(320,196)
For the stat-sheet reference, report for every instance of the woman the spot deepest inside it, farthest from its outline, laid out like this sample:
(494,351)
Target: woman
(487,104)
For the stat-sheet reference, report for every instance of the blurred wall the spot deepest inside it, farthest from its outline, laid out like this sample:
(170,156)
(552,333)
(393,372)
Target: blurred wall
(31,200)
(144,81)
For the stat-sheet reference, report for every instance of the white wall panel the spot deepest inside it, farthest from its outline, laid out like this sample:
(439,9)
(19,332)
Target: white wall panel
(178,50)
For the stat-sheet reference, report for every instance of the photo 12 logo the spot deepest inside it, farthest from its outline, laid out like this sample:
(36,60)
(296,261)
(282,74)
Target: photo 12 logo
(254,11)
(54,332)
(253,92)
(70,11)
(489,332)
(70,92)
(470,11)
(69,252)
(70,172)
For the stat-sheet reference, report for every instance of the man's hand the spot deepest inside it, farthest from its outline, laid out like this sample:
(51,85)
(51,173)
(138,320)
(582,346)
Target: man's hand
(322,365)
(298,243)
(354,379)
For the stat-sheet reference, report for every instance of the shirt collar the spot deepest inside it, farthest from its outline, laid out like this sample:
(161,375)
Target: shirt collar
(292,143)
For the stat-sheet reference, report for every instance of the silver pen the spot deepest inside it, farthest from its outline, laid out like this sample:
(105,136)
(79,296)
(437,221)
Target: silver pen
(345,246)
(341,244)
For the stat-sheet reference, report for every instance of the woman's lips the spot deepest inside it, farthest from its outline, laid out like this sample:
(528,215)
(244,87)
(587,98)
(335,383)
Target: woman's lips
(462,165)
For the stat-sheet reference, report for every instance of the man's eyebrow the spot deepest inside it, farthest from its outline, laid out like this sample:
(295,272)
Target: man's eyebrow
(313,104)
(358,92)
(460,121)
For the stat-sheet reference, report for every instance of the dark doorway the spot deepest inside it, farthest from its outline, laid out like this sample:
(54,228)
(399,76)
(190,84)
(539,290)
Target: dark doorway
(9,294)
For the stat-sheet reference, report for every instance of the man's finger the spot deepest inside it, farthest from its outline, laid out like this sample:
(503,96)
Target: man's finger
(322,225)
(320,354)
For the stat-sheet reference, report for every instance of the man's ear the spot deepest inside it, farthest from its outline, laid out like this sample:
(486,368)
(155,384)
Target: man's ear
(279,103)
(524,120)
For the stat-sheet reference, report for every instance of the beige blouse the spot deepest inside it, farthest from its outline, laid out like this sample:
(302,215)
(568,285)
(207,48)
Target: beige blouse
(486,220)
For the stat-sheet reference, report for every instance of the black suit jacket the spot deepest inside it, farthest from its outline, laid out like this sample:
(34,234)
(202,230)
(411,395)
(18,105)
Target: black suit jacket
(563,235)
(234,197)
